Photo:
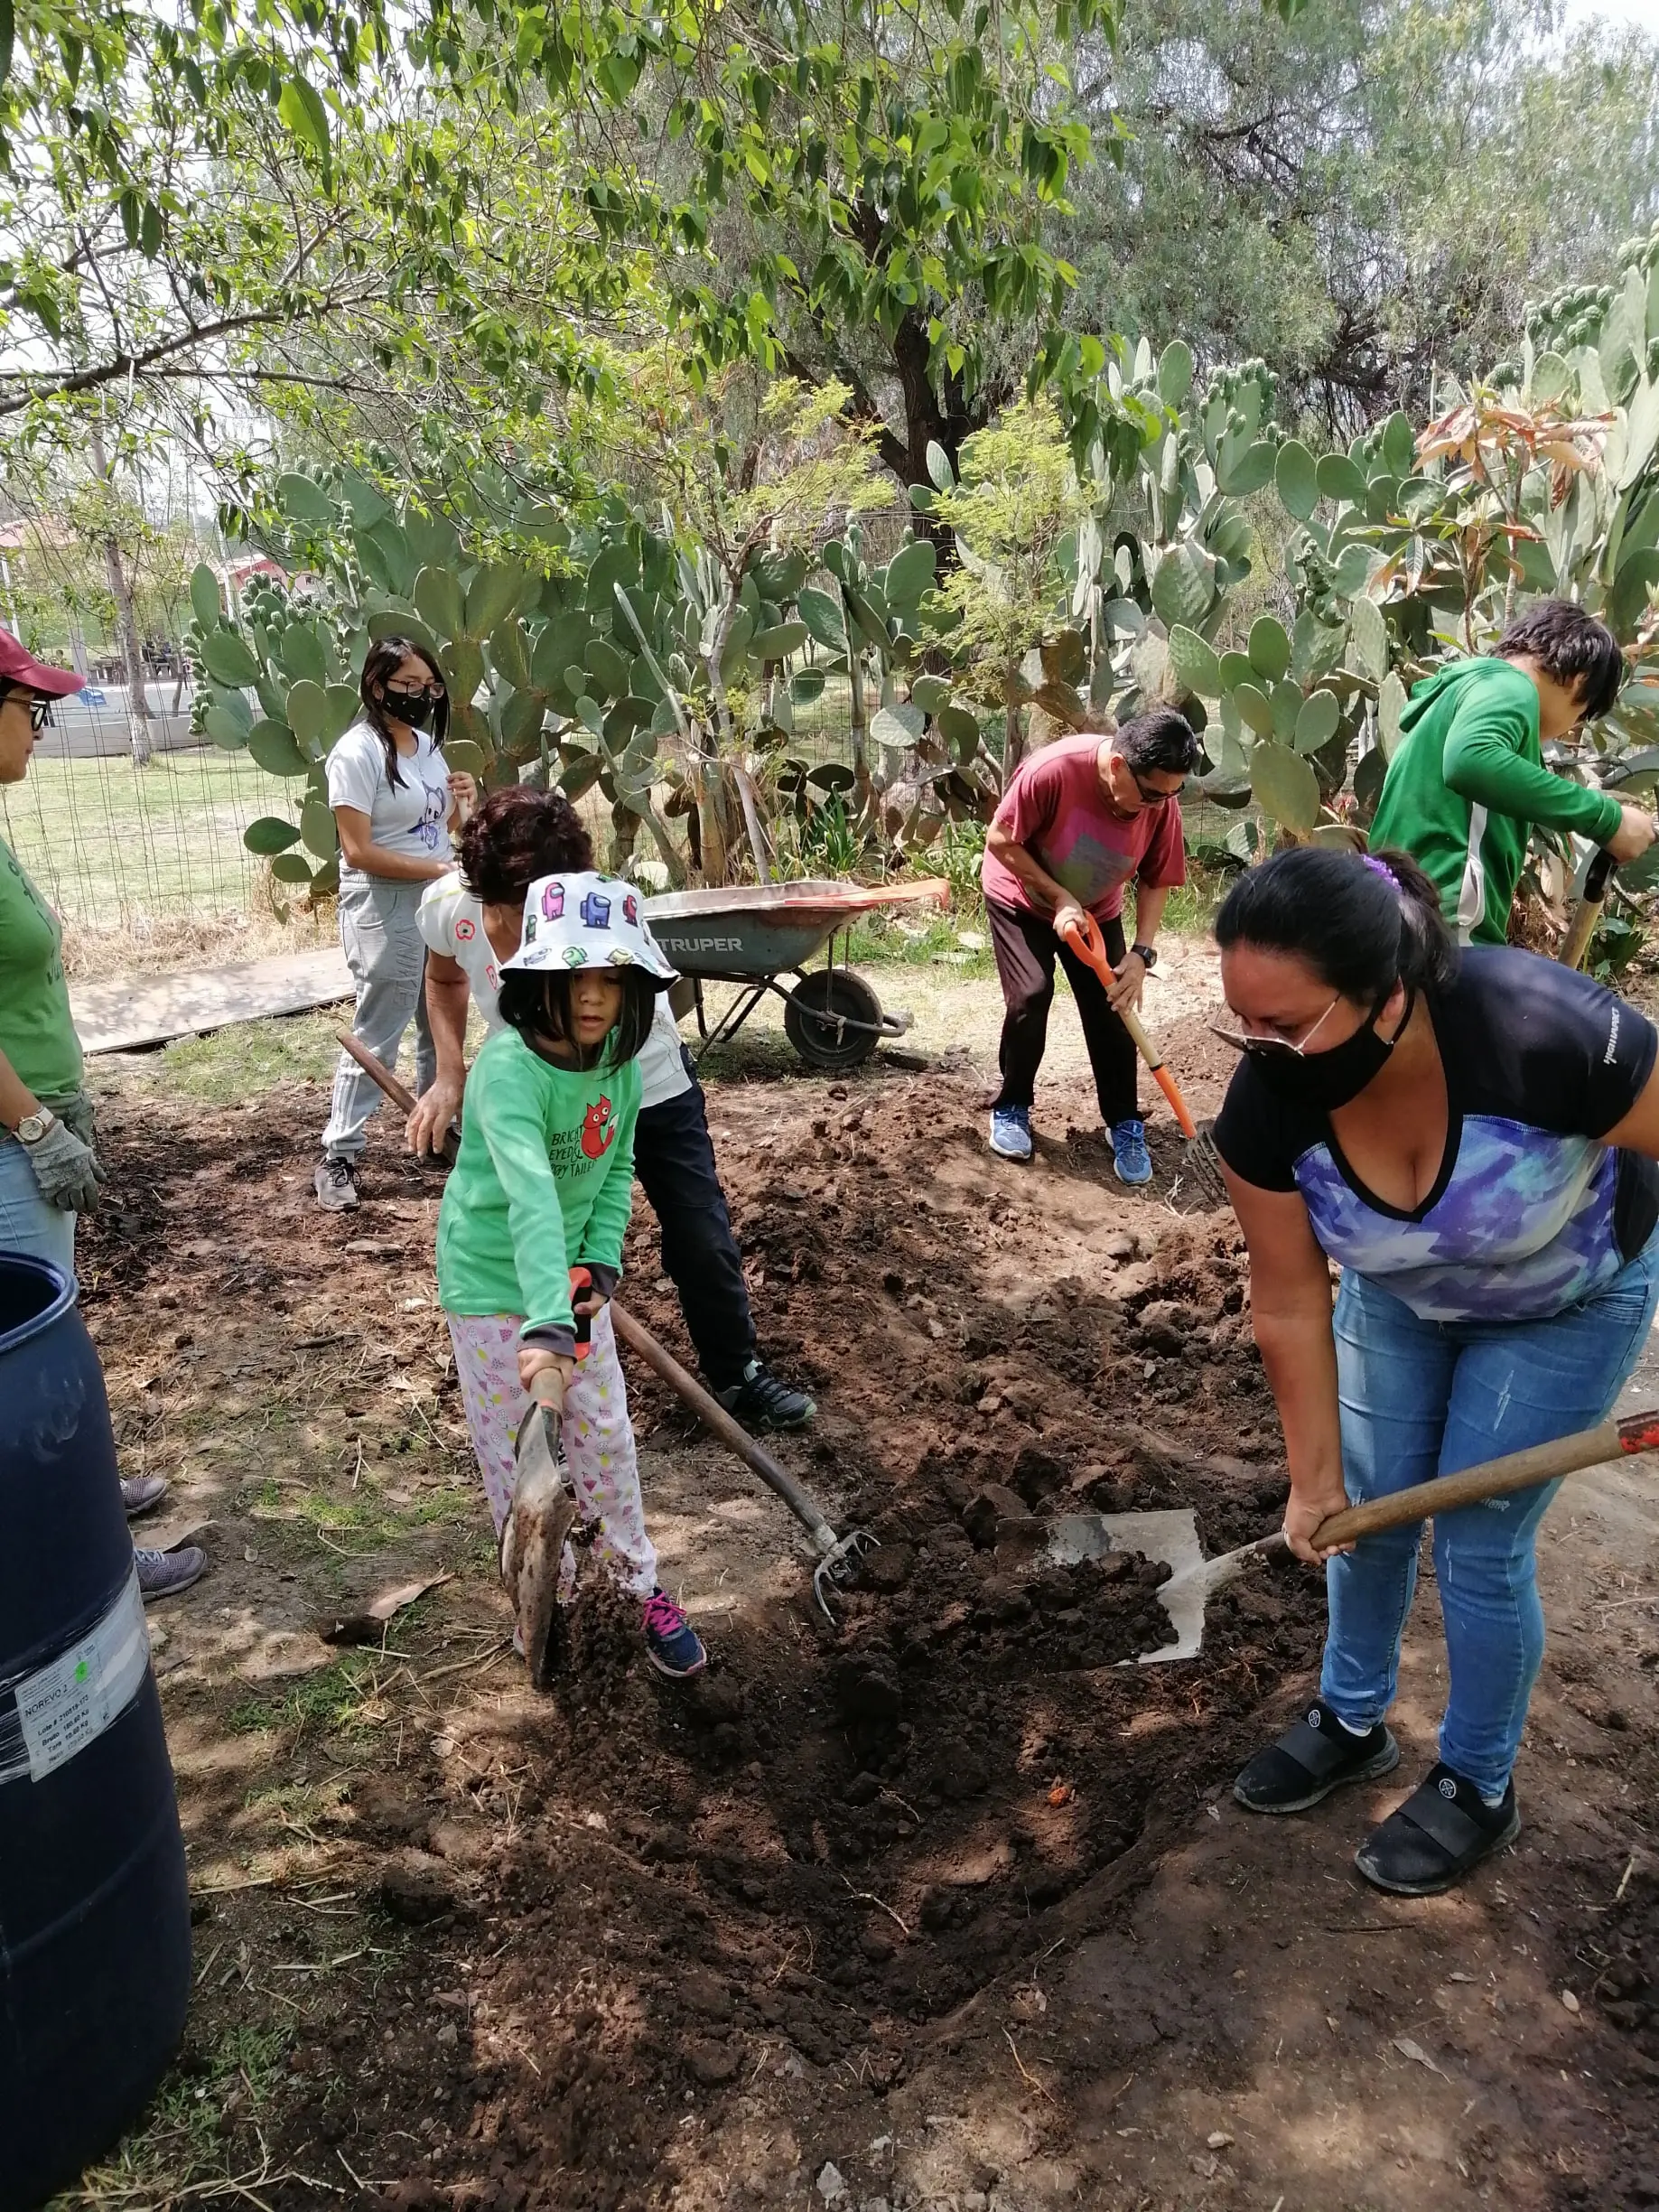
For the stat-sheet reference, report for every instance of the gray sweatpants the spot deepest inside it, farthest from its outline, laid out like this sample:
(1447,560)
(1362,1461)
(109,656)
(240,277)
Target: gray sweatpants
(387,959)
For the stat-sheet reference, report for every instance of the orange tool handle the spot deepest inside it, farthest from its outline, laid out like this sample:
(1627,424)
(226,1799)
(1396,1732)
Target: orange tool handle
(1082,932)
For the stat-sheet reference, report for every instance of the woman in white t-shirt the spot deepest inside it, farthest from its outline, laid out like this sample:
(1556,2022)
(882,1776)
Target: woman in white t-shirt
(470,921)
(396,804)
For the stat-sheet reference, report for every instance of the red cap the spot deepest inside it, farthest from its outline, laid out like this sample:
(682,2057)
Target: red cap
(16,667)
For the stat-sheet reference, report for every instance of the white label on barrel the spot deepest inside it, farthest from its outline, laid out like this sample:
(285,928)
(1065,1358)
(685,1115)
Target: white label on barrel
(75,1699)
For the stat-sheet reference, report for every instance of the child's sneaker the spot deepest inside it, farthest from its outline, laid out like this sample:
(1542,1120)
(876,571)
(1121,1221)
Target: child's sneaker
(672,1644)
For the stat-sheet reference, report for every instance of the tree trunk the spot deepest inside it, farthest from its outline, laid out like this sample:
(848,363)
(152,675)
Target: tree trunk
(126,626)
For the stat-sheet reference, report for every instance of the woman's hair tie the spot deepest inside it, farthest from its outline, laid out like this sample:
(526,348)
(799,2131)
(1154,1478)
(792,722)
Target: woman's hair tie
(1382,868)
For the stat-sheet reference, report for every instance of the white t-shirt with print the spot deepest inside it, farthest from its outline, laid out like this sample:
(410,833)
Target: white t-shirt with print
(407,818)
(453,922)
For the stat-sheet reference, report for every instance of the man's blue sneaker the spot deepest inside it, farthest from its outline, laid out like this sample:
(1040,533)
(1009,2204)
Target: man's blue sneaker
(671,1644)
(1130,1156)
(1011,1133)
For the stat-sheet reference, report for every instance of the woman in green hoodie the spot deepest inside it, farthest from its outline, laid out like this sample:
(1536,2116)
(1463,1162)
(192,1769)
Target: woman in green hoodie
(1468,781)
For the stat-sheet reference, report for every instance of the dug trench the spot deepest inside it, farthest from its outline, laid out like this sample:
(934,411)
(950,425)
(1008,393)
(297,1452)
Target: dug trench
(635,1945)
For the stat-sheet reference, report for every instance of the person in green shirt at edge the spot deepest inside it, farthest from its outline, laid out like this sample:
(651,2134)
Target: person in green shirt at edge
(1468,781)
(49,1171)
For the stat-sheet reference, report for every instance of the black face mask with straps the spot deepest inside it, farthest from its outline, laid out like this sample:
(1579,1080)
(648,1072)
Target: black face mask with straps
(417,710)
(1325,1081)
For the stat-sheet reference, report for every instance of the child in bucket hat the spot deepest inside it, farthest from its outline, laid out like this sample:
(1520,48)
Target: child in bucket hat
(542,1190)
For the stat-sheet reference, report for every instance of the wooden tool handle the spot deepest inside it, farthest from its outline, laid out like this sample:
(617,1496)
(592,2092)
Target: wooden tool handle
(719,1422)
(1492,1478)
(389,1084)
(1084,937)
(1588,912)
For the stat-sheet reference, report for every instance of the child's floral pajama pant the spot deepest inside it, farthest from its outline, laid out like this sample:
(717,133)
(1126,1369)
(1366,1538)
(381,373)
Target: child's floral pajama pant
(599,1440)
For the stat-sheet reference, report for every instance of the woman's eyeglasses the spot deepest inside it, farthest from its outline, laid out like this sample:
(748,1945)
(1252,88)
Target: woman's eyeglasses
(1242,1041)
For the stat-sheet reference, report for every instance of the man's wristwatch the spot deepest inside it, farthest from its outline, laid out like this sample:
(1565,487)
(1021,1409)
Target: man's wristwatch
(34,1126)
(1147,955)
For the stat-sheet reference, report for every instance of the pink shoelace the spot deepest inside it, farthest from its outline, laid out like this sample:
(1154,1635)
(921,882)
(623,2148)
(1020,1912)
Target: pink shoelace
(663,1617)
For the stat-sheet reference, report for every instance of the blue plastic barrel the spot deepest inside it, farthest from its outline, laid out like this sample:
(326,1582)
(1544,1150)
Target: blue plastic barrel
(94,1898)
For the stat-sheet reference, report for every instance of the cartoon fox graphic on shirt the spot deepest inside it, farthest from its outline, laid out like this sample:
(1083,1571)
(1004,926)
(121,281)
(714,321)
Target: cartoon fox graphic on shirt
(598,1130)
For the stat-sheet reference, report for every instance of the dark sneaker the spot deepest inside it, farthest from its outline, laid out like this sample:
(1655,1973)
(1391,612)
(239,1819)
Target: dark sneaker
(1130,1157)
(335,1185)
(162,1575)
(761,1402)
(1312,1760)
(142,1493)
(1442,1829)
(672,1644)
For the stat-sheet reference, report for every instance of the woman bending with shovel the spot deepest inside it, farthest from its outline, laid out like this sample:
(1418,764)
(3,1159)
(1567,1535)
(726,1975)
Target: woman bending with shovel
(1471,1137)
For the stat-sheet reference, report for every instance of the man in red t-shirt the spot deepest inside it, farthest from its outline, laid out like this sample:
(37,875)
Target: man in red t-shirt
(1081,819)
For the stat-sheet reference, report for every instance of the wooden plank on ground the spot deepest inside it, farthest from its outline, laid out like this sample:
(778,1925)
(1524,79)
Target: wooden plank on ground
(124,1014)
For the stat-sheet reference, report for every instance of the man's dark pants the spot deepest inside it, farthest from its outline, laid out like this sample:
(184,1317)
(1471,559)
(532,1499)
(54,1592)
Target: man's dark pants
(675,1161)
(1025,950)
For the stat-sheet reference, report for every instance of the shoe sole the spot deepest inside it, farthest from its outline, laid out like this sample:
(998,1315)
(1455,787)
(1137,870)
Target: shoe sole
(1449,1881)
(1000,1152)
(676,1674)
(1383,1763)
(1132,1182)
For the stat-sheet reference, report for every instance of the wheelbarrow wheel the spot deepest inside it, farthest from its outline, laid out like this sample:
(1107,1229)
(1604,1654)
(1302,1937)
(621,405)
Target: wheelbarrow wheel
(817,1008)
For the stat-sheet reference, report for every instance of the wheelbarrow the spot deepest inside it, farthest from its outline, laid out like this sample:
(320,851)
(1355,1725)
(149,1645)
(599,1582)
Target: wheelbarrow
(752,934)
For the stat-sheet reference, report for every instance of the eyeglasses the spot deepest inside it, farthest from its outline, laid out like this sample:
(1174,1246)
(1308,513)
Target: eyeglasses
(39,705)
(1242,1041)
(1150,798)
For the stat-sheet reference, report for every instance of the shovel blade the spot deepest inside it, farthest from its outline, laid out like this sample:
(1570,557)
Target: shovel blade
(542,1516)
(1172,1536)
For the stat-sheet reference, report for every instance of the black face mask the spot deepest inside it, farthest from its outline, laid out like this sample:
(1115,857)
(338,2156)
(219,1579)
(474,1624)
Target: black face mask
(418,710)
(1326,1080)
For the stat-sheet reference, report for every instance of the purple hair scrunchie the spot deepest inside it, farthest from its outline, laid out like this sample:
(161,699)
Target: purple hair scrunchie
(1382,868)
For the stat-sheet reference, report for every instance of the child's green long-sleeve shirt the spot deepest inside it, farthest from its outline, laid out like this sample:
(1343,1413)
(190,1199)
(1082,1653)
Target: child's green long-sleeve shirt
(1466,786)
(543,1182)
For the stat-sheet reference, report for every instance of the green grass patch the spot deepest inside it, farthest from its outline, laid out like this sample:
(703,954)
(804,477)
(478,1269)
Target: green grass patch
(187,2140)
(341,1698)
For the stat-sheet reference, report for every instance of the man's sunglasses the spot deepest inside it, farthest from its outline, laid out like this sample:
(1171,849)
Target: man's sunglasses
(1149,798)
(39,705)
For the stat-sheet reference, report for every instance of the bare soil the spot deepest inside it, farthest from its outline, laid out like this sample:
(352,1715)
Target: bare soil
(942,1899)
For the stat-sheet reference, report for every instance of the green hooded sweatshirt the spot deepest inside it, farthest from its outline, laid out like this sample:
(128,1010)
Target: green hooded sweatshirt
(1466,785)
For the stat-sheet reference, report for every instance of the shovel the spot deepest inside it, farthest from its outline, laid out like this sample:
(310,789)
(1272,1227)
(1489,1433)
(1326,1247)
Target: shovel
(533,1537)
(1173,1537)
(1081,932)
(837,1556)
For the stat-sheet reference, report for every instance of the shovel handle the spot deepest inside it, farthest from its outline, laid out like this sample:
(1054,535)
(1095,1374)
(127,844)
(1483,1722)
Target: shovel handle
(719,1422)
(1588,912)
(1471,1486)
(400,1095)
(1082,932)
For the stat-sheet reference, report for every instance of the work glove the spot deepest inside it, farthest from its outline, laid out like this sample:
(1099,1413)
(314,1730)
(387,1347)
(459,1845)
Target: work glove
(67,1170)
(75,1108)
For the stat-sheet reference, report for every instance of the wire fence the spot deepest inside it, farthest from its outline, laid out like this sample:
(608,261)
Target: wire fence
(151,857)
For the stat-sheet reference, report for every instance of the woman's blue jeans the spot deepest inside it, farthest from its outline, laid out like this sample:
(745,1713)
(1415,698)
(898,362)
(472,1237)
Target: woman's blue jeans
(27,1223)
(1425,1398)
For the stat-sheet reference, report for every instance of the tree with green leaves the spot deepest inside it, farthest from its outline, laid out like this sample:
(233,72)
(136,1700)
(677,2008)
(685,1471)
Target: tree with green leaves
(1363,197)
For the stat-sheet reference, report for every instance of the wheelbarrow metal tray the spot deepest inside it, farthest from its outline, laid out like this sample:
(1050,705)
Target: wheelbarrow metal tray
(761,930)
